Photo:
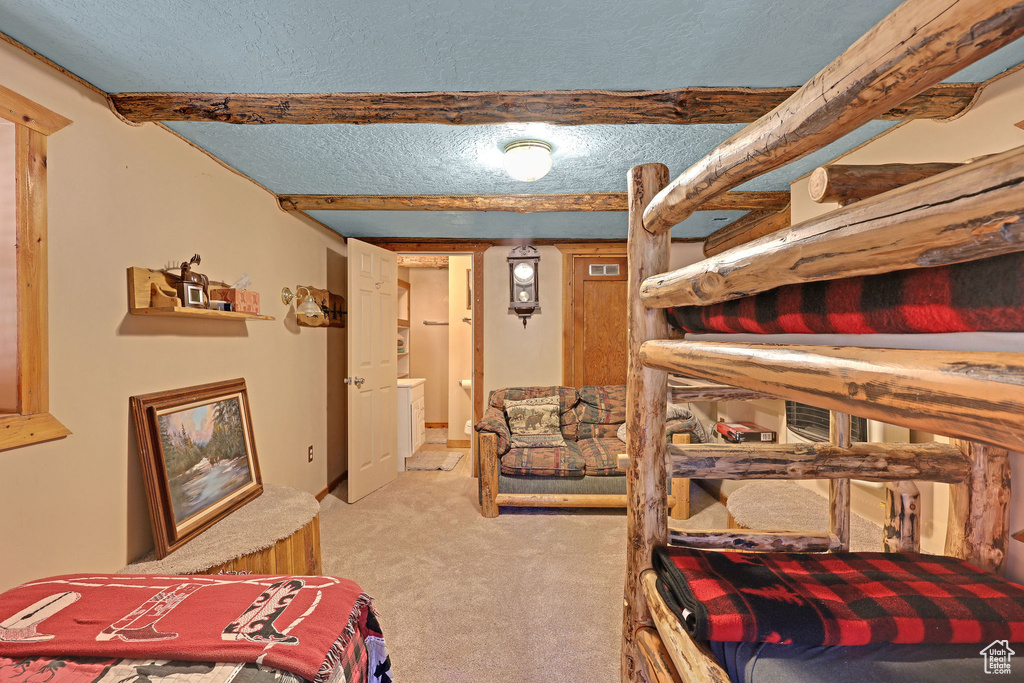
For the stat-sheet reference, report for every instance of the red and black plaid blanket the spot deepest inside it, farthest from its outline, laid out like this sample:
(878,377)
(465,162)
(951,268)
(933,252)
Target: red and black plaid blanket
(300,624)
(837,598)
(978,296)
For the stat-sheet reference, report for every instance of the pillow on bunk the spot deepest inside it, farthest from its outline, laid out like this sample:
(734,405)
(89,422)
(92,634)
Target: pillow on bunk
(533,423)
(676,426)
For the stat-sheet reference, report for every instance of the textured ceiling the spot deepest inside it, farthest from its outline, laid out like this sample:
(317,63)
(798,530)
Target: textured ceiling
(393,46)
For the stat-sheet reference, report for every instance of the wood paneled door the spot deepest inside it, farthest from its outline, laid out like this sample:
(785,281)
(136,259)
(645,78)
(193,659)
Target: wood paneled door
(372,368)
(594,324)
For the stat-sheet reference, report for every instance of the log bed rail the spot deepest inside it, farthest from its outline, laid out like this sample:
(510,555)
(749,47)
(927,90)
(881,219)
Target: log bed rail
(964,213)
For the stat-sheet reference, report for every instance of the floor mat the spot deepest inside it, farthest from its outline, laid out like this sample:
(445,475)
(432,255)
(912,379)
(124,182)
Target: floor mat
(433,460)
(436,435)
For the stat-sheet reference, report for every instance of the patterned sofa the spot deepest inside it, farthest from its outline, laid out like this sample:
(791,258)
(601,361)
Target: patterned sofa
(582,473)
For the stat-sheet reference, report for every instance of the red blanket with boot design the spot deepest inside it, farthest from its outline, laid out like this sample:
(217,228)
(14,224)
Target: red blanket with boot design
(299,624)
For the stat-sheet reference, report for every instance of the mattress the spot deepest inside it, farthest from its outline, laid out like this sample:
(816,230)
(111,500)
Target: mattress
(770,663)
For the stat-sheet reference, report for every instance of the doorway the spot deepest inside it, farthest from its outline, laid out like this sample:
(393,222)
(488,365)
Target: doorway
(439,348)
(594,328)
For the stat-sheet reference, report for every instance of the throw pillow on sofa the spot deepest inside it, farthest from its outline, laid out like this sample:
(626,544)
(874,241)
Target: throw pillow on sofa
(533,423)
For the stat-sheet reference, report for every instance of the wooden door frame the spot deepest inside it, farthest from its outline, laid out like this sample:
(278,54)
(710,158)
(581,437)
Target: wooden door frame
(569,253)
(477,249)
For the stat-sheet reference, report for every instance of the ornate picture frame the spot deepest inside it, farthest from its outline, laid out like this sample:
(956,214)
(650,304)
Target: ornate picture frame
(198,458)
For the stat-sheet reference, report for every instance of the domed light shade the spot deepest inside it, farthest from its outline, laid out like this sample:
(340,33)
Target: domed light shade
(527,160)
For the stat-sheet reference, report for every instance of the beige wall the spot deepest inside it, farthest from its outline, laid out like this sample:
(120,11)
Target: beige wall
(460,348)
(987,128)
(514,356)
(123,196)
(429,359)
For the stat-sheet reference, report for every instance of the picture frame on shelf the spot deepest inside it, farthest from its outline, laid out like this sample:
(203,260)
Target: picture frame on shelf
(198,458)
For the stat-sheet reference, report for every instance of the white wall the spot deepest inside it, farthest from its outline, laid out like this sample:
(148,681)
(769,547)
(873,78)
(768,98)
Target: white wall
(121,196)
(429,343)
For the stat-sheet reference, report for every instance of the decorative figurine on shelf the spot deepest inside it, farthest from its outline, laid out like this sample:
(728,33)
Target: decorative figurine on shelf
(194,288)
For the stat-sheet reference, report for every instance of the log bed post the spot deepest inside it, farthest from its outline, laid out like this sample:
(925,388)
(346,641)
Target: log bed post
(488,474)
(979,508)
(646,390)
(902,530)
(839,427)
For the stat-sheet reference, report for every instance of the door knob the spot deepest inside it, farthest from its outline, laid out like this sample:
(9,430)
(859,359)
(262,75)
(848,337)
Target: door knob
(358,381)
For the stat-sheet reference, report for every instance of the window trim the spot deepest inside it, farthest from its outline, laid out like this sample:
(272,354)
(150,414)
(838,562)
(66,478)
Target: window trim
(32,423)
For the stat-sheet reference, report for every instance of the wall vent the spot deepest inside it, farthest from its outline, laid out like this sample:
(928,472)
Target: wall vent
(604,268)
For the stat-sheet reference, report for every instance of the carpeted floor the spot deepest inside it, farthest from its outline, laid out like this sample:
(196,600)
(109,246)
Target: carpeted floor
(533,595)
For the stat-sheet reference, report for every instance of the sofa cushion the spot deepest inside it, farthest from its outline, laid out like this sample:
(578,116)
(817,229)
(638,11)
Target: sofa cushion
(552,462)
(602,404)
(567,399)
(601,456)
(494,422)
(690,425)
(534,422)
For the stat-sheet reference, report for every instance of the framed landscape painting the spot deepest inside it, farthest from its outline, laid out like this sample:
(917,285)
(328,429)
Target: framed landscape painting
(198,458)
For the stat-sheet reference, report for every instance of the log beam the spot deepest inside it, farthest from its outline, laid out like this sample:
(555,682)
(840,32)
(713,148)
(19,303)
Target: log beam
(488,445)
(657,662)
(756,540)
(839,430)
(646,484)
(845,183)
(919,44)
(680,487)
(972,212)
(563,107)
(973,395)
(979,509)
(685,390)
(754,225)
(516,203)
(902,530)
(866,461)
(422,261)
(692,659)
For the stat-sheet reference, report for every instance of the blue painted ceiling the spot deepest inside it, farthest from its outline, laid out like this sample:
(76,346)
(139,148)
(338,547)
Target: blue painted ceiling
(422,45)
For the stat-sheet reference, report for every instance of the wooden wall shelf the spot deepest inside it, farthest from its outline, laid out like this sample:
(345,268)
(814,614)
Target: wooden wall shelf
(186,312)
(141,283)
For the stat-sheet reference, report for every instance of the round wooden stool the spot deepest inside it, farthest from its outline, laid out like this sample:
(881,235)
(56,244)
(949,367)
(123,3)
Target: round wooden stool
(276,533)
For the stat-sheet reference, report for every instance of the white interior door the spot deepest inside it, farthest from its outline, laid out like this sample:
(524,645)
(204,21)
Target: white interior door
(372,375)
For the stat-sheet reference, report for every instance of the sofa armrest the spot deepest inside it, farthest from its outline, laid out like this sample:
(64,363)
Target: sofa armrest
(494,422)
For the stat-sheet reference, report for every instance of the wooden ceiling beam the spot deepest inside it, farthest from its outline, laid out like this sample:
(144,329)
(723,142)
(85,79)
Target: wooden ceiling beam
(565,107)
(422,261)
(519,203)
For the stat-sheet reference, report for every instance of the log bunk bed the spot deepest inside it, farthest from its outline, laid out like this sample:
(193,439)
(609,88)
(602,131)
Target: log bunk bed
(945,216)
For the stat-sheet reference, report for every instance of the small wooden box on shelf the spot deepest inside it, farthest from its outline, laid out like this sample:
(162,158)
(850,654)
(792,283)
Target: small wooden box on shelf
(150,292)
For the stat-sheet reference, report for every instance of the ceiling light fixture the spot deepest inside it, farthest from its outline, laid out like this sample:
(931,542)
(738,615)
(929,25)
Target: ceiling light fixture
(527,160)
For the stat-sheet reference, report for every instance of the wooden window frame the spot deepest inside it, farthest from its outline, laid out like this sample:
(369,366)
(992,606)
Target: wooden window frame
(32,422)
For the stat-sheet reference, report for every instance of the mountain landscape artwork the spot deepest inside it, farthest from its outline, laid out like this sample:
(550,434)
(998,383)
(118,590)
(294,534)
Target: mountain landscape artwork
(204,455)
